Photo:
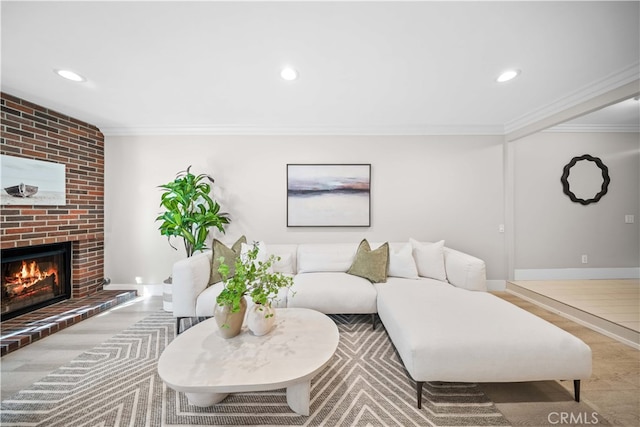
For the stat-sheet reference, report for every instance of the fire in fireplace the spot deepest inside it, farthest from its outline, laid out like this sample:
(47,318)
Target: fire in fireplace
(34,277)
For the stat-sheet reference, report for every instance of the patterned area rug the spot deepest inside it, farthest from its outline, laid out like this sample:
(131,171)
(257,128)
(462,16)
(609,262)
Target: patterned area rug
(116,384)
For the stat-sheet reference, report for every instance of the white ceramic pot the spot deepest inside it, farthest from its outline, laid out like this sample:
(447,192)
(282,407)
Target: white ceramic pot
(260,319)
(167,296)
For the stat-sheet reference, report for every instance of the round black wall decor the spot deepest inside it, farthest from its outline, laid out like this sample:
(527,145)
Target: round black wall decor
(567,171)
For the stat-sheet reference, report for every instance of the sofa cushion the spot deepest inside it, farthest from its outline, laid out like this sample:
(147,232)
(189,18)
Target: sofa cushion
(371,264)
(443,333)
(421,281)
(402,264)
(325,257)
(333,293)
(429,259)
(229,254)
(206,302)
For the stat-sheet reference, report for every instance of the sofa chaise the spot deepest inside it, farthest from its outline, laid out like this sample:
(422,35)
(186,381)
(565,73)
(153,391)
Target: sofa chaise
(432,302)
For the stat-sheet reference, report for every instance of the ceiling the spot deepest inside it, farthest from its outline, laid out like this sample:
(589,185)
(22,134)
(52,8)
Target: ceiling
(399,67)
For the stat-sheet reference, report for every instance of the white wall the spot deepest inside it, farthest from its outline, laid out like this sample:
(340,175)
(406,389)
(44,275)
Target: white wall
(551,231)
(428,188)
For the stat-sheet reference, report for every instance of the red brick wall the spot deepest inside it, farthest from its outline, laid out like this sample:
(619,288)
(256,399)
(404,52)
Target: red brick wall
(35,132)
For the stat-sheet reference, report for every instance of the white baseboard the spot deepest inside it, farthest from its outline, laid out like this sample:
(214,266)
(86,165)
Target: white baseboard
(144,290)
(577,273)
(496,285)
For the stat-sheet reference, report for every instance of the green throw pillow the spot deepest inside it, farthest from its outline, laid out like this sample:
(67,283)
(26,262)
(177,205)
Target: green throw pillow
(229,254)
(372,265)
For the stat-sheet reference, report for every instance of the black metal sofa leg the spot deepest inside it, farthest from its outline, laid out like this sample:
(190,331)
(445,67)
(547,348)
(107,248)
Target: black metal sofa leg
(178,319)
(419,385)
(373,320)
(576,390)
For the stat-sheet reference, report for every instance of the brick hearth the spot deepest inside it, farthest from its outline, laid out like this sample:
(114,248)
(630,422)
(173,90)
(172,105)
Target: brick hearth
(28,328)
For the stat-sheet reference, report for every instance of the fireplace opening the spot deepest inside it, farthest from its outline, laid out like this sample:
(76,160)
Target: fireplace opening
(34,277)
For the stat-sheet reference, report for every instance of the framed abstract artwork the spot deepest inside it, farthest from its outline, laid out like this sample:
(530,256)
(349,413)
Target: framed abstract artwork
(328,195)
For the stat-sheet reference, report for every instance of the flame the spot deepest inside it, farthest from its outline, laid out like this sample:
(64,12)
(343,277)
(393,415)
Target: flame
(30,274)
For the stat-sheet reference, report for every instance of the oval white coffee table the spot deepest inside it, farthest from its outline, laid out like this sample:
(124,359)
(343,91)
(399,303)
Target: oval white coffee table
(207,367)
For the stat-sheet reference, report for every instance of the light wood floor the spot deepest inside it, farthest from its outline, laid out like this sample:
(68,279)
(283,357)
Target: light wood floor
(609,306)
(612,392)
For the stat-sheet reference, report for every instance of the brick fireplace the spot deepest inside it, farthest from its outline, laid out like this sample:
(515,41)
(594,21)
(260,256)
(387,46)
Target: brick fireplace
(34,277)
(35,132)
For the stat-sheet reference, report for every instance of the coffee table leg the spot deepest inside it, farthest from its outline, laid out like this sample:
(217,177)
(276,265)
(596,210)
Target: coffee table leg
(205,399)
(298,396)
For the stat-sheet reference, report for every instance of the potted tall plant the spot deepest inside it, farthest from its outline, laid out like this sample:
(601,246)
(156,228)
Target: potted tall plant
(189,214)
(255,279)
(190,211)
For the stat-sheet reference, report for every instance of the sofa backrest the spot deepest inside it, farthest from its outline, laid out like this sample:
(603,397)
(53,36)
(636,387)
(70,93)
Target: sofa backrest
(463,270)
(315,257)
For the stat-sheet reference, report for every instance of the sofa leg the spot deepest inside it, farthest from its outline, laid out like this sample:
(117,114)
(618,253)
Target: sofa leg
(373,320)
(576,390)
(419,385)
(178,319)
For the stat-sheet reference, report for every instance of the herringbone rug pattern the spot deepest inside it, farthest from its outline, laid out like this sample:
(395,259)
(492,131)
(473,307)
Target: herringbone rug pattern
(116,384)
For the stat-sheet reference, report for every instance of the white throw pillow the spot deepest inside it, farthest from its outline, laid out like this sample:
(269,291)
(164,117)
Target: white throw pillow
(284,264)
(402,264)
(429,259)
(262,252)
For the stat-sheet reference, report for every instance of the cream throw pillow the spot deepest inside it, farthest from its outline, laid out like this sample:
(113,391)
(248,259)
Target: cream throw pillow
(262,251)
(284,264)
(429,259)
(402,264)
(262,255)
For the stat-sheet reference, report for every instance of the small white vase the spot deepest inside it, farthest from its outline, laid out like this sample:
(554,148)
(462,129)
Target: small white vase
(261,319)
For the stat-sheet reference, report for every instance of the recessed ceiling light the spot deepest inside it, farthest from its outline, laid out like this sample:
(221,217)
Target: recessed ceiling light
(507,75)
(289,73)
(70,75)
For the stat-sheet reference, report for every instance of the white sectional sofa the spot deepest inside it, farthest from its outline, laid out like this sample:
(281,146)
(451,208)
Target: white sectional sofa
(433,305)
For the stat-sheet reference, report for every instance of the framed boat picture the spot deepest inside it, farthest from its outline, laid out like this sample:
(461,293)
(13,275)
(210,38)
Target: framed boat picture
(328,195)
(31,182)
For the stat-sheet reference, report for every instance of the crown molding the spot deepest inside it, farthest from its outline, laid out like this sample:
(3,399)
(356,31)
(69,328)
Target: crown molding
(594,128)
(303,130)
(609,83)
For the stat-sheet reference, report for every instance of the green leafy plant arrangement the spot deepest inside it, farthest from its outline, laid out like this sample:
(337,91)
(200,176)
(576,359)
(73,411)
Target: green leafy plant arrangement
(190,211)
(252,278)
